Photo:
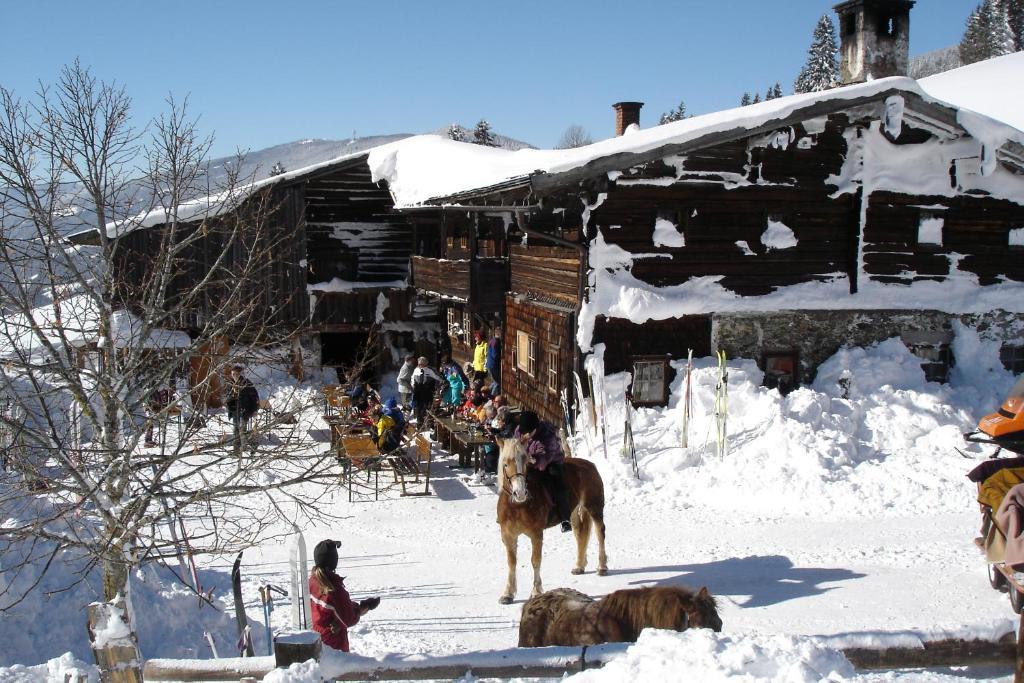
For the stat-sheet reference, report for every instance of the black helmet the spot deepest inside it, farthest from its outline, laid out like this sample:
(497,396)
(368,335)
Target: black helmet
(528,421)
(325,554)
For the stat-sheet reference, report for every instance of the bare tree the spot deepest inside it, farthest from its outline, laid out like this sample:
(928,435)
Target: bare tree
(91,341)
(574,136)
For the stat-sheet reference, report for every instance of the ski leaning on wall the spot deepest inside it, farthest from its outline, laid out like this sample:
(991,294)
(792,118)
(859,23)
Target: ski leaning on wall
(300,588)
(244,632)
(722,405)
(687,399)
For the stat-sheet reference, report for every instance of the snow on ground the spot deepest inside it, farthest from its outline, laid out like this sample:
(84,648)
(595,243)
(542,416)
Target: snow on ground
(839,515)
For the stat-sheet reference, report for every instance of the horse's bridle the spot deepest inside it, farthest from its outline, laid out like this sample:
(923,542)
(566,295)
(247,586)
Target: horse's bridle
(507,487)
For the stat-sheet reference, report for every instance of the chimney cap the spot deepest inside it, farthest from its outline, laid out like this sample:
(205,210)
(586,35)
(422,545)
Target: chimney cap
(889,4)
(628,104)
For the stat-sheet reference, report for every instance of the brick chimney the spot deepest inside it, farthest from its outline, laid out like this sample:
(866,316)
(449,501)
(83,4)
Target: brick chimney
(626,114)
(874,39)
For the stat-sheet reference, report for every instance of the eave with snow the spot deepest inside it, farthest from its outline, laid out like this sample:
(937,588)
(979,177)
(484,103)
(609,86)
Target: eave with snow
(872,205)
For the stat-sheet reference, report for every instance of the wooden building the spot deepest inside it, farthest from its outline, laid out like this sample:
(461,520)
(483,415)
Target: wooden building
(779,232)
(335,263)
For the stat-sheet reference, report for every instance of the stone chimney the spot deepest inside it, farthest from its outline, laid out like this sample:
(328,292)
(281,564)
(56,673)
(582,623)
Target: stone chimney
(874,39)
(626,114)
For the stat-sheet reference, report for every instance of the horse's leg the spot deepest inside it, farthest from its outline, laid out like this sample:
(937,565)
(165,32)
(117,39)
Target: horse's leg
(538,546)
(582,530)
(602,559)
(511,542)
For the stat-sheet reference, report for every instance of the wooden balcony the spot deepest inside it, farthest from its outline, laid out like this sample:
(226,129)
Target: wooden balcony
(481,283)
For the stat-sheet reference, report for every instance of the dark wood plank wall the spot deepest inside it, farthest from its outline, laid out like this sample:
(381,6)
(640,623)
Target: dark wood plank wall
(441,276)
(489,277)
(624,339)
(277,285)
(545,273)
(791,189)
(359,307)
(977,227)
(551,328)
(353,230)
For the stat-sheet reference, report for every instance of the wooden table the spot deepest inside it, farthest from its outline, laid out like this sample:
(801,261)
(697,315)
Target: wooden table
(468,444)
(358,453)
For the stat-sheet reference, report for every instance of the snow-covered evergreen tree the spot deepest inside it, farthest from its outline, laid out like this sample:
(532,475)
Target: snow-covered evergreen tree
(1015,15)
(988,33)
(757,98)
(677,114)
(822,69)
(457,133)
(482,134)
(277,169)
(745,100)
(773,92)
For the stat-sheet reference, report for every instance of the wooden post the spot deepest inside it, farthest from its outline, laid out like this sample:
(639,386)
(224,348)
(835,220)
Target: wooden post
(295,647)
(1018,671)
(116,656)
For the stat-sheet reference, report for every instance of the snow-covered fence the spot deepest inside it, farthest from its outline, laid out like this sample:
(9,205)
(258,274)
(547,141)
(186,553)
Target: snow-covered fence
(547,662)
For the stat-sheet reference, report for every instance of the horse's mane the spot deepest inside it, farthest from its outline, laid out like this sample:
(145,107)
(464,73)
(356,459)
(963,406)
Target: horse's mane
(654,607)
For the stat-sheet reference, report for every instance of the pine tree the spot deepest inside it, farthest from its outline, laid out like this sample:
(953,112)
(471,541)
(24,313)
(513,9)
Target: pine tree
(757,98)
(482,134)
(277,169)
(745,100)
(457,133)
(773,92)
(822,69)
(1015,15)
(677,114)
(988,33)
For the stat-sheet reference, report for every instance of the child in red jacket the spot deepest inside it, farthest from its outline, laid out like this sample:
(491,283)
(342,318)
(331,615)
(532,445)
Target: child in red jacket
(332,609)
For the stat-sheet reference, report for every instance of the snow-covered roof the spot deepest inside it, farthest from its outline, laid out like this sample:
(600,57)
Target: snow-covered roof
(216,204)
(994,87)
(430,169)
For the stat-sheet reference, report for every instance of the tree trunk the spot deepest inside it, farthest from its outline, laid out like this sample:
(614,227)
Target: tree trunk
(113,642)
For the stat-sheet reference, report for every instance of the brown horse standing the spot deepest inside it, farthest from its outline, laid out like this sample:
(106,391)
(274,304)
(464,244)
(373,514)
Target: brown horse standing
(524,507)
(567,617)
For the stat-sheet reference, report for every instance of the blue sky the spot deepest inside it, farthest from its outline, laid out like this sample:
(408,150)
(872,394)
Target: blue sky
(262,73)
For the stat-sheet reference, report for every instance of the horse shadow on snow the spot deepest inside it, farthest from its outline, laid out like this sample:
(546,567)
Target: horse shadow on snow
(766,579)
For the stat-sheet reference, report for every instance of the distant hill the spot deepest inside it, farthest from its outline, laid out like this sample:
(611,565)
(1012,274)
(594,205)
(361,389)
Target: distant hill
(935,62)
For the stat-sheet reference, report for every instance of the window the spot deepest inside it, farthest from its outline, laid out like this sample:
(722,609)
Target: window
(552,368)
(526,353)
(936,360)
(780,371)
(453,322)
(929,229)
(650,381)
(467,327)
(1012,358)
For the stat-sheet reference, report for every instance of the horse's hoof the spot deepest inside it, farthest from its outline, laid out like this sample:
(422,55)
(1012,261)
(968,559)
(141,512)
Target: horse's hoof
(577,570)
(505,600)
(603,571)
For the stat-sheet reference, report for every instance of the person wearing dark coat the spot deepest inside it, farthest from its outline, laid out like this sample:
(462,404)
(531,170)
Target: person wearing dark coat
(333,611)
(544,453)
(425,384)
(494,360)
(243,401)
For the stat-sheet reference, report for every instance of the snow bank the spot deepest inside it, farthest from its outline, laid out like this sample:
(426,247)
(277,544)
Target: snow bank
(870,438)
(63,668)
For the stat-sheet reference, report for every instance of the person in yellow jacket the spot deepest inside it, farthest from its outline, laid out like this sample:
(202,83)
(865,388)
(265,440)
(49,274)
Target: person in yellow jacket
(383,430)
(479,357)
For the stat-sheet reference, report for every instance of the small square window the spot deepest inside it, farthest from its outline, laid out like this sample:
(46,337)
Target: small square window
(1012,358)
(650,381)
(780,371)
(526,353)
(936,360)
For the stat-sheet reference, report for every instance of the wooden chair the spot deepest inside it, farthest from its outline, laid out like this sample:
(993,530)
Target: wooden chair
(414,466)
(358,455)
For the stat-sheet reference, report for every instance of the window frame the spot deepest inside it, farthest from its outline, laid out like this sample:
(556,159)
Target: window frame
(649,400)
(529,363)
(552,362)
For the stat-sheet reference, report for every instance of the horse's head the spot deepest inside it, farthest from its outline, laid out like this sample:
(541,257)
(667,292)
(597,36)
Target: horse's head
(703,612)
(512,465)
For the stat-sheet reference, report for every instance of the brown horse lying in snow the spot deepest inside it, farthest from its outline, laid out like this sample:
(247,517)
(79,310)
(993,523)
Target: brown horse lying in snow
(524,507)
(567,617)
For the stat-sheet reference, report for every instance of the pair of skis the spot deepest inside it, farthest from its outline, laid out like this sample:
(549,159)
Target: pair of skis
(722,405)
(300,597)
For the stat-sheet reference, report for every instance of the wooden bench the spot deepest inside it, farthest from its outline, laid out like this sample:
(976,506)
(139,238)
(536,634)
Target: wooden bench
(408,466)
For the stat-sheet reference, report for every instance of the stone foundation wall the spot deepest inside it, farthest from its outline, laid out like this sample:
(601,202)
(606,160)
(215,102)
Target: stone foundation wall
(817,335)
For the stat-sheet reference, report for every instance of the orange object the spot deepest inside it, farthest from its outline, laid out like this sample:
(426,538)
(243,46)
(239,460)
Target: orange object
(1009,419)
